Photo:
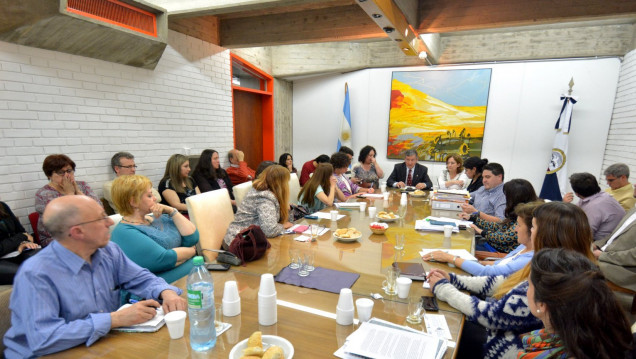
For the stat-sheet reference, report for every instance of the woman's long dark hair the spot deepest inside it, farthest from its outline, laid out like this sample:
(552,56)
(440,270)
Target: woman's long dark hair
(204,167)
(283,158)
(517,191)
(321,177)
(582,310)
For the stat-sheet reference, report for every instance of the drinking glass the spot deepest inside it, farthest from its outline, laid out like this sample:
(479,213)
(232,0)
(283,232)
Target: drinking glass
(293,255)
(389,285)
(399,242)
(302,269)
(315,229)
(309,260)
(415,310)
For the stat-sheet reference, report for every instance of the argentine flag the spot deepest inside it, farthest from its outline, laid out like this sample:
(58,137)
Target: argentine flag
(554,184)
(345,127)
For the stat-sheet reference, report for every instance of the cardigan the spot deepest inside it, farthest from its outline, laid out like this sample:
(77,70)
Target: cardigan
(504,319)
(260,208)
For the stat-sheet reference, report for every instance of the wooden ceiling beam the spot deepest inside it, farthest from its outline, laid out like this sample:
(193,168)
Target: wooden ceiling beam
(341,23)
(460,15)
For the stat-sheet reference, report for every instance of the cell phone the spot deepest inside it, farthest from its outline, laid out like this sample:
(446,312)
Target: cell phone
(217,266)
(430,303)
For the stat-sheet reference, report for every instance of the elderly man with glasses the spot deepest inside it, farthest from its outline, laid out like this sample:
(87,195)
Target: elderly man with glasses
(69,293)
(123,163)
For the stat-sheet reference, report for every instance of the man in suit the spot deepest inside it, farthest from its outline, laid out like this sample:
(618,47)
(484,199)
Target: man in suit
(410,173)
(616,254)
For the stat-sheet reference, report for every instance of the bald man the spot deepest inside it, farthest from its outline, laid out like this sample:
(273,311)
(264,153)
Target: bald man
(238,171)
(69,293)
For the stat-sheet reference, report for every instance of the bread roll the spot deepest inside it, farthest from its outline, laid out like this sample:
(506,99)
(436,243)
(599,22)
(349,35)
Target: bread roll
(274,352)
(255,340)
(256,351)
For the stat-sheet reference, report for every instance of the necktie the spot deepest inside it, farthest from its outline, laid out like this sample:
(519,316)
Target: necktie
(409,178)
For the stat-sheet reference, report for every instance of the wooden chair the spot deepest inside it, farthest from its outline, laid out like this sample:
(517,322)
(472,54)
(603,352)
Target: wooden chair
(211,212)
(617,288)
(240,191)
(294,188)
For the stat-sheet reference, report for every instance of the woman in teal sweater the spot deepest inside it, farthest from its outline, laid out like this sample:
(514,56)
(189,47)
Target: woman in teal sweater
(162,243)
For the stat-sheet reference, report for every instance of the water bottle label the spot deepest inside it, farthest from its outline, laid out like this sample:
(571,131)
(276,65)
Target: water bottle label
(195,297)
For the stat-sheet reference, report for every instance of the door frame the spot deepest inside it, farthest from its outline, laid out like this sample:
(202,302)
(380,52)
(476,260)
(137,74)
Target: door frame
(266,93)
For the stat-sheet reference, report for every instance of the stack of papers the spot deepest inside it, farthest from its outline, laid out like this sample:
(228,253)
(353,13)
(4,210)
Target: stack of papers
(326,215)
(436,224)
(347,204)
(372,195)
(380,339)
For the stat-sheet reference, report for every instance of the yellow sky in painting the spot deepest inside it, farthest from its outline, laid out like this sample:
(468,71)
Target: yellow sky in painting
(426,116)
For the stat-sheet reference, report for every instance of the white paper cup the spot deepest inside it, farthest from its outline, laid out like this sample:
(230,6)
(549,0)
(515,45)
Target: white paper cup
(364,306)
(267,285)
(344,316)
(448,230)
(175,321)
(345,301)
(383,187)
(334,215)
(231,308)
(385,196)
(230,291)
(372,212)
(403,287)
(267,310)
(363,206)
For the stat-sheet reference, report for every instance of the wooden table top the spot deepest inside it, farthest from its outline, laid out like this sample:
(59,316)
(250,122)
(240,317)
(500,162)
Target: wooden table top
(312,335)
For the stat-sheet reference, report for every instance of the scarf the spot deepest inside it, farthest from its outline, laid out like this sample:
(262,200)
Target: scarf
(541,345)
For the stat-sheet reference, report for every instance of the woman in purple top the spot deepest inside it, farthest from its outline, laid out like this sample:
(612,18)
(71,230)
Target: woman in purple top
(209,175)
(347,189)
(60,170)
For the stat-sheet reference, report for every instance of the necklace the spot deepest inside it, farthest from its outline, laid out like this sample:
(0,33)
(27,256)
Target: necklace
(145,222)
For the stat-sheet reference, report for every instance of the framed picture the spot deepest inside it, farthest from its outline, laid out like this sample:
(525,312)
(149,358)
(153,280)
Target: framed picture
(438,113)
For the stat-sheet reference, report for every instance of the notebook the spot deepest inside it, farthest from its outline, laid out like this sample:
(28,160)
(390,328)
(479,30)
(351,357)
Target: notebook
(414,271)
(150,326)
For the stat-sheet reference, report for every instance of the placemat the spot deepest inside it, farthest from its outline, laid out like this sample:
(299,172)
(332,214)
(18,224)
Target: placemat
(324,279)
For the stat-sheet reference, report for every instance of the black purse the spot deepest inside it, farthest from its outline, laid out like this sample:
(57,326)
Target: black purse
(226,257)
(297,212)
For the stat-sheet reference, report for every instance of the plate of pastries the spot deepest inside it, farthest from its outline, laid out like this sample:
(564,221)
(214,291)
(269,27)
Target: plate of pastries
(259,346)
(384,216)
(347,234)
(418,193)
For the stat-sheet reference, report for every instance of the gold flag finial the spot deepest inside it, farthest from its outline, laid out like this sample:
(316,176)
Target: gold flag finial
(571,84)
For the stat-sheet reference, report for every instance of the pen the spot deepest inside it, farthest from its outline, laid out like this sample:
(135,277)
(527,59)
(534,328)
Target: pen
(133,301)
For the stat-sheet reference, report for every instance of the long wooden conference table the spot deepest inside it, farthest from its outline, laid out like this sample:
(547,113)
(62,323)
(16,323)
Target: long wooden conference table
(301,317)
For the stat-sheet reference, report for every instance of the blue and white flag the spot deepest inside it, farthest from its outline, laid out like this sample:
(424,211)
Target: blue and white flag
(345,126)
(556,177)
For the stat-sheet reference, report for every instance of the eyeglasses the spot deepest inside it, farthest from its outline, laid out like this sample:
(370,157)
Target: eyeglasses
(128,167)
(62,172)
(95,220)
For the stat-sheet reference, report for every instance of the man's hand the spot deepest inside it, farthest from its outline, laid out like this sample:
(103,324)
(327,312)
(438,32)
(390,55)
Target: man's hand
(568,198)
(420,185)
(137,313)
(400,184)
(240,156)
(172,301)
(467,208)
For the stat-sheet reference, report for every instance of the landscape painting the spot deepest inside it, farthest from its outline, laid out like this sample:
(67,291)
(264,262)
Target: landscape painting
(438,113)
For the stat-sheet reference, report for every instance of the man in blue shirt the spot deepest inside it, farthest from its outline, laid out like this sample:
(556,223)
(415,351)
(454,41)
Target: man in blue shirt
(68,294)
(490,201)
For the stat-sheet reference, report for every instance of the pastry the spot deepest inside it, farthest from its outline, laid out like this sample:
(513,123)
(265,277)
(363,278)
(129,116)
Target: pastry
(274,352)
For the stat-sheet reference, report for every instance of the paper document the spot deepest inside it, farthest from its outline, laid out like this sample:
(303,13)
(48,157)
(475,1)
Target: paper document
(436,224)
(436,325)
(372,195)
(461,253)
(324,215)
(347,205)
(383,340)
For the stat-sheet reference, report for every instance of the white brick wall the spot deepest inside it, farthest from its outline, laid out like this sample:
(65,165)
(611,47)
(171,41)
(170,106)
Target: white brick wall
(52,102)
(621,140)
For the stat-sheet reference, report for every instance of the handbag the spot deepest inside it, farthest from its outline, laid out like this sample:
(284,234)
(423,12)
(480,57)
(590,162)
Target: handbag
(297,212)
(250,244)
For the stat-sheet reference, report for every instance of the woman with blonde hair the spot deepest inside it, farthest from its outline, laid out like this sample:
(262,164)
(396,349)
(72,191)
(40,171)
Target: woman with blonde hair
(265,205)
(176,184)
(501,319)
(320,191)
(453,176)
(153,235)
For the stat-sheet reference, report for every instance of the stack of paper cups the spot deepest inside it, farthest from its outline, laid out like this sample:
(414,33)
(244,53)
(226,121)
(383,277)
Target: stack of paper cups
(345,309)
(231,299)
(267,310)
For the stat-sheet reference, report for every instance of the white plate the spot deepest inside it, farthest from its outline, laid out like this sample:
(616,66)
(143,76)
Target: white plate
(412,194)
(351,239)
(388,219)
(268,340)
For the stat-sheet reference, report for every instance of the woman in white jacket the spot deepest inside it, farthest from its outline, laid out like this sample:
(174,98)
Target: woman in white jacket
(453,177)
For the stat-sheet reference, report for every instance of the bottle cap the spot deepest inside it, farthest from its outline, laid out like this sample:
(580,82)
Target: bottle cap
(198,261)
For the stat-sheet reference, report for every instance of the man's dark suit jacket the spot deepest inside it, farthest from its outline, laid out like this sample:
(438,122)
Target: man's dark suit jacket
(419,175)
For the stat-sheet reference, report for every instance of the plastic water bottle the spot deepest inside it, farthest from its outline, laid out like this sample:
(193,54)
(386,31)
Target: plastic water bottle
(201,307)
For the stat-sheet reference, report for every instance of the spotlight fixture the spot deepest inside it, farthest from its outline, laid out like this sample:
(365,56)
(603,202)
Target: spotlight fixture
(376,16)
(388,29)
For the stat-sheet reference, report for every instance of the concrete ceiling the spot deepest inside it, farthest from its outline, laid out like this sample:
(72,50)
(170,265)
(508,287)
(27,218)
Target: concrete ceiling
(281,26)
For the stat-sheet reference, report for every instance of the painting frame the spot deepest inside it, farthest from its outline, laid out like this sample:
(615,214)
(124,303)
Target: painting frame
(438,112)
